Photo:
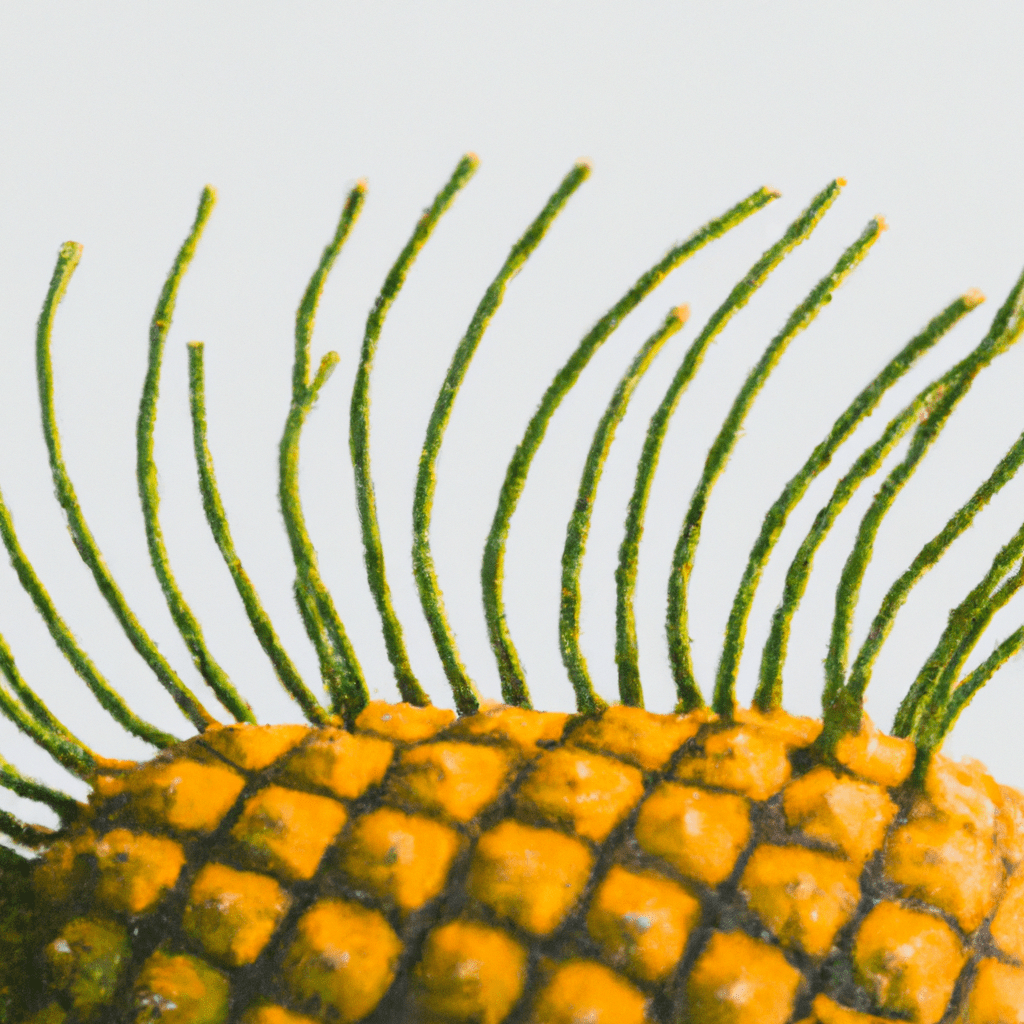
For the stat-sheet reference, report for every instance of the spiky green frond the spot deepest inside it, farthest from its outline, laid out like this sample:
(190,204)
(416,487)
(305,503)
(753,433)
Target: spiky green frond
(932,705)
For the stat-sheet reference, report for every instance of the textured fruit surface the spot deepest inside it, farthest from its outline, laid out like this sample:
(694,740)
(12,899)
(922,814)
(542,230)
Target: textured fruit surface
(536,868)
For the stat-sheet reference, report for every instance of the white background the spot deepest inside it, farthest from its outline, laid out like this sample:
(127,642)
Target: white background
(113,117)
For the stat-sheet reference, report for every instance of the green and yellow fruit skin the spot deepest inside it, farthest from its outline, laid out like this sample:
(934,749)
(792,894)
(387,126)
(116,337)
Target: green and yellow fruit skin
(535,868)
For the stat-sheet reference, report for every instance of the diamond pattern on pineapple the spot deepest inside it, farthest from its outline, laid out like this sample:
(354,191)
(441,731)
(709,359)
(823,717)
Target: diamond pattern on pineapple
(521,727)
(180,989)
(351,879)
(803,897)
(183,794)
(871,754)
(700,834)
(405,723)
(253,747)
(52,1014)
(744,759)
(827,1011)
(399,858)
(846,813)
(86,962)
(64,872)
(135,871)
(286,832)
(740,980)
(637,736)
(947,866)
(581,990)
(909,961)
(642,922)
(1010,825)
(1007,925)
(961,792)
(274,1015)
(345,764)
(795,731)
(997,995)
(342,960)
(233,914)
(585,792)
(458,780)
(529,876)
(469,972)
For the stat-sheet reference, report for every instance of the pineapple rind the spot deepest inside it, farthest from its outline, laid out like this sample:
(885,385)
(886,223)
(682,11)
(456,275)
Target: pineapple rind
(520,867)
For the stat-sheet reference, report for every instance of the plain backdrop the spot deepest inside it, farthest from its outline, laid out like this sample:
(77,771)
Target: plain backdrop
(114,115)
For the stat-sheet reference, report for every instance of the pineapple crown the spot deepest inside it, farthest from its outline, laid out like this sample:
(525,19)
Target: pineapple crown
(931,706)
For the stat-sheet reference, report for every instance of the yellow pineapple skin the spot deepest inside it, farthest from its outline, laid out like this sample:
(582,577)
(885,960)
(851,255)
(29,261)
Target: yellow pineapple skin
(522,867)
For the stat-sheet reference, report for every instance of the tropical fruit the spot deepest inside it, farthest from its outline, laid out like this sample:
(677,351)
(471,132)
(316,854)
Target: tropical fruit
(500,864)
(523,865)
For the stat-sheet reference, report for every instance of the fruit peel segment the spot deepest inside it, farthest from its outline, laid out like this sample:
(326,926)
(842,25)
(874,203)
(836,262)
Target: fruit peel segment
(180,989)
(286,832)
(458,780)
(469,972)
(795,731)
(53,1013)
(947,866)
(844,812)
(1010,825)
(1007,926)
(135,871)
(581,990)
(400,858)
(233,914)
(742,981)
(86,962)
(343,955)
(274,1015)
(643,739)
(344,763)
(997,995)
(253,747)
(530,876)
(63,872)
(588,793)
(827,1011)
(700,834)
(181,793)
(962,793)
(642,922)
(908,960)
(871,754)
(803,897)
(744,759)
(521,727)
(405,723)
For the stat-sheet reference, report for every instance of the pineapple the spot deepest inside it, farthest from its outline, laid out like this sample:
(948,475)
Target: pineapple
(497,863)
